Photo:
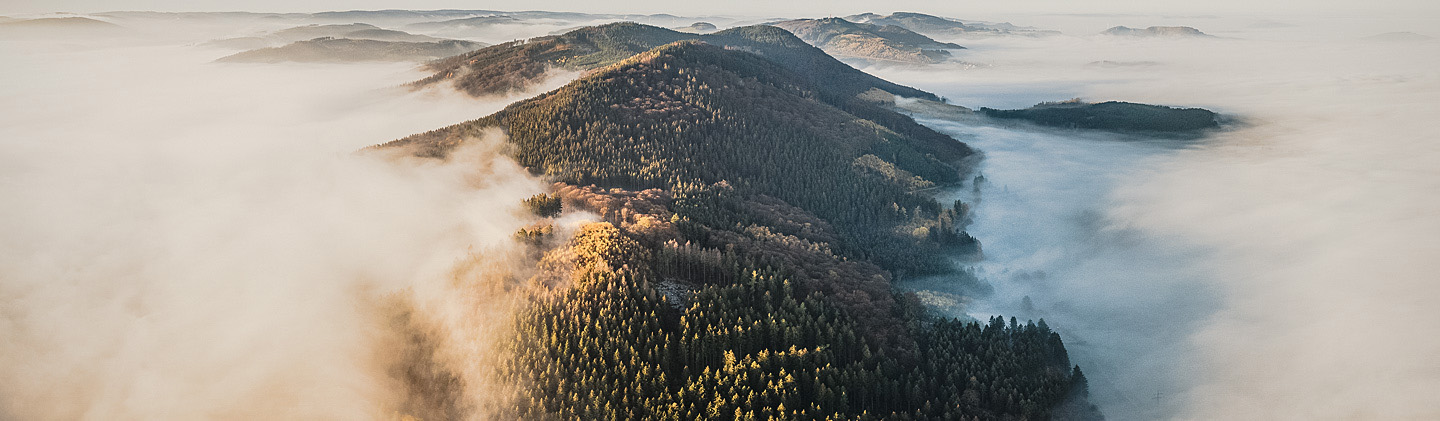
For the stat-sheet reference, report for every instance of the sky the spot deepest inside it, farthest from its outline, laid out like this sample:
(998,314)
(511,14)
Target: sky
(739,7)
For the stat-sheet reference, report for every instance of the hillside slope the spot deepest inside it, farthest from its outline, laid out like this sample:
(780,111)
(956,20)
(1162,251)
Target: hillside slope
(876,42)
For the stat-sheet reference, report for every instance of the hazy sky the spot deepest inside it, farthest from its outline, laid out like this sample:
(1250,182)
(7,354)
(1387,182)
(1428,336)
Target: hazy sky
(738,7)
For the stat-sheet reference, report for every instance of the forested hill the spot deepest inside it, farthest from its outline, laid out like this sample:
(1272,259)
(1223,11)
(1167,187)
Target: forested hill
(514,66)
(743,266)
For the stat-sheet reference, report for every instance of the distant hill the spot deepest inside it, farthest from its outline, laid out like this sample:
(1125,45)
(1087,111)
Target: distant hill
(1113,116)
(354,31)
(334,50)
(306,32)
(395,15)
(936,26)
(66,22)
(514,66)
(843,38)
(1398,37)
(698,28)
(1157,32)
(66,27)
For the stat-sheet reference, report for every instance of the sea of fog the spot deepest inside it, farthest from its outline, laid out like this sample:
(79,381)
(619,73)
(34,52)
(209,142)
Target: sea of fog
(1282,268)
(184,239)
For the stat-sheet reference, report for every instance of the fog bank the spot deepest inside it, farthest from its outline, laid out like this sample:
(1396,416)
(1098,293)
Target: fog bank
(189,240)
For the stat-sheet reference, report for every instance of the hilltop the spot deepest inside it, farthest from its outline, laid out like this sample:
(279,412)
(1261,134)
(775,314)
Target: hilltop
(750,231)
(843,38)
(515,66)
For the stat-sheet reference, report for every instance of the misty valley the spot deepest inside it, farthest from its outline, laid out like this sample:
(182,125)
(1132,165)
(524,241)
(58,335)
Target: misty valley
(550,215)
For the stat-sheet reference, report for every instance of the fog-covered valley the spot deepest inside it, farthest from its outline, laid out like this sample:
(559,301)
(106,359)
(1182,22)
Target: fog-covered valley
(185,238)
